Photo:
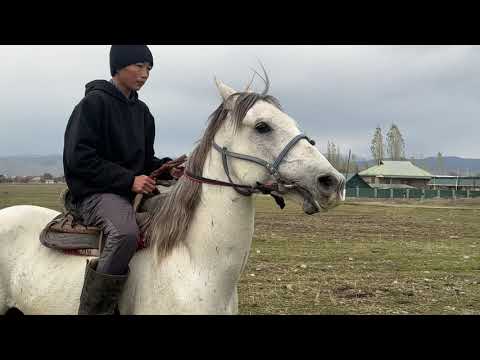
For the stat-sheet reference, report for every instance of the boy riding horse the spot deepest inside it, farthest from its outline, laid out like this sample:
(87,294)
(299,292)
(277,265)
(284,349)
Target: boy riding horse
(108,151)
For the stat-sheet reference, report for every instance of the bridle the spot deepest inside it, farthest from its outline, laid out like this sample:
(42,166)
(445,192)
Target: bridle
(277,186)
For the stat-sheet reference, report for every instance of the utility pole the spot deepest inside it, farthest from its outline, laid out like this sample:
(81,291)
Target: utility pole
(348,163)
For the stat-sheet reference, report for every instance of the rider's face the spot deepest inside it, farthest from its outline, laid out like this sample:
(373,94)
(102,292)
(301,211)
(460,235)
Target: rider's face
(134,76)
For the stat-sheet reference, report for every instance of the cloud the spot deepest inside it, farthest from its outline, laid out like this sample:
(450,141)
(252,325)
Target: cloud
(336,93)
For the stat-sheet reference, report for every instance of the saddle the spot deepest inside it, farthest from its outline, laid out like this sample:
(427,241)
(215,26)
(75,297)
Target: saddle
(66,232)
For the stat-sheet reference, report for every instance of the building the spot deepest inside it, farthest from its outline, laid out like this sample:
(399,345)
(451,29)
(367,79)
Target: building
(354,181)
(462,183)
(34,179)
(396,174)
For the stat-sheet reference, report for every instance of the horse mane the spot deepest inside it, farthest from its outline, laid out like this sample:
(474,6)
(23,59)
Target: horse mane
(171,218)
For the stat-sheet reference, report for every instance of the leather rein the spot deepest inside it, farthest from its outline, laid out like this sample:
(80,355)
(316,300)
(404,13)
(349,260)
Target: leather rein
(247,190)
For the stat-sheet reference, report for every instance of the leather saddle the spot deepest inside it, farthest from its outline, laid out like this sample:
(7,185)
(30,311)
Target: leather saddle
(66,232)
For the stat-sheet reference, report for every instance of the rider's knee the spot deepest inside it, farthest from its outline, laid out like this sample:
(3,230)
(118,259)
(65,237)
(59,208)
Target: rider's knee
(129,235)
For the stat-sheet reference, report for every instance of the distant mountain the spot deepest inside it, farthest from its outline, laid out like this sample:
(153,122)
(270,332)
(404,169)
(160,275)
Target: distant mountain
(460,166)
(31,165)
(451,164)
(38,165)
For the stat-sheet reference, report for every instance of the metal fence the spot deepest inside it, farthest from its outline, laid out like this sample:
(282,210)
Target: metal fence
(410,193)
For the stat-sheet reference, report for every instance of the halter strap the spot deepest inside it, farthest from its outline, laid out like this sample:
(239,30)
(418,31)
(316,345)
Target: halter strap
(248,190)
(266,189)
(272,168)
(202,180)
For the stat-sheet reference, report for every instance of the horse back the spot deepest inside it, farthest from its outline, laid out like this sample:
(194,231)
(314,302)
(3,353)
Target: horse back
(19,220)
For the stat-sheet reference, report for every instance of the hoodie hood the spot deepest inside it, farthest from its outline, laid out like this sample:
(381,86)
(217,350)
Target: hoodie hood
(111,89)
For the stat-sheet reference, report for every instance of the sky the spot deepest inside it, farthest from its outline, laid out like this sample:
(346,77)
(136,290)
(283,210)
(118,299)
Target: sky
(335,93)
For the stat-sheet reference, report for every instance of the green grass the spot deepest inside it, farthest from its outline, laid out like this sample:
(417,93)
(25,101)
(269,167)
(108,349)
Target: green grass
(46,195)
(355,259)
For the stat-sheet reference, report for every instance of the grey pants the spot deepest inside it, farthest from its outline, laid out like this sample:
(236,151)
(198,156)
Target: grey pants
(115,216)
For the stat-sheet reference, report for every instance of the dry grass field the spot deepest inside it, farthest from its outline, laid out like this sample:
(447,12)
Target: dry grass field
(363,257)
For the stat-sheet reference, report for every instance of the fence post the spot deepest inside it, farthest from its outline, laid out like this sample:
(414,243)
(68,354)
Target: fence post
(358,191)
(422,197)
(468,193)
(408,193)
(375,192)
(438,193)
(454,196)
(391,193)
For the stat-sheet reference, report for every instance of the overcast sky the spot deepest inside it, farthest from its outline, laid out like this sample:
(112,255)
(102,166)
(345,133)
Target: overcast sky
(336,93)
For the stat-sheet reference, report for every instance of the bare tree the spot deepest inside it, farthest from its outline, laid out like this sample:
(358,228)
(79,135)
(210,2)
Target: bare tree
(395,143)
(354,165)
(377,146)
(350,164)
(338,159)
(341,161)
(332,154)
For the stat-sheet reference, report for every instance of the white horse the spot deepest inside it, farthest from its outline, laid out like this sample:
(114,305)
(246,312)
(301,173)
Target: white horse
(200,235)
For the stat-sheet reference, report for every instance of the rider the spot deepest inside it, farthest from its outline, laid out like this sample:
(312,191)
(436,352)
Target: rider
(108,152)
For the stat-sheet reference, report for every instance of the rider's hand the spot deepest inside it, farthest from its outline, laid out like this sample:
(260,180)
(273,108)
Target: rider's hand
(143,184)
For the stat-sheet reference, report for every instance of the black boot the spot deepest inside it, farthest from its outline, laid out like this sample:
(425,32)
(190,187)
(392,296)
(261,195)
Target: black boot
(100,292)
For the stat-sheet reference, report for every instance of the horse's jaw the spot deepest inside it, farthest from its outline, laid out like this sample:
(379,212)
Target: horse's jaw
(311,202)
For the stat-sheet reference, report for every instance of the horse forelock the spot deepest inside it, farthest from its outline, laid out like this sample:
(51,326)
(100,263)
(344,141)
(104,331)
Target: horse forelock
(171,219)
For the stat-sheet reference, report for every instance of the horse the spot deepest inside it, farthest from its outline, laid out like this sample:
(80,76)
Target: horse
(201,232)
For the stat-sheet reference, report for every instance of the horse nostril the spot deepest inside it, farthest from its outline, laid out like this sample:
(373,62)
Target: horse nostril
(328,182)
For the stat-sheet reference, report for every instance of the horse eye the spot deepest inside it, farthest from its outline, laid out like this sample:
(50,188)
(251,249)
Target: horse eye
(262,128)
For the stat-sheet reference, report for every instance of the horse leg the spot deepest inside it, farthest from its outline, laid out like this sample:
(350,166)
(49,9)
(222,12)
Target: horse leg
(3,296)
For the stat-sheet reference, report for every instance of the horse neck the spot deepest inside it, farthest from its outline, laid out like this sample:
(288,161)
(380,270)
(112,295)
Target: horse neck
(221,232)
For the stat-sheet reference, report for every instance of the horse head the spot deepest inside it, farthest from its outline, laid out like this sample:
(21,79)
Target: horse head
(262,144)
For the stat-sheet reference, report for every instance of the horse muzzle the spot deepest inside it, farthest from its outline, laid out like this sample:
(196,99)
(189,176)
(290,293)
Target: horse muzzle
(327,193)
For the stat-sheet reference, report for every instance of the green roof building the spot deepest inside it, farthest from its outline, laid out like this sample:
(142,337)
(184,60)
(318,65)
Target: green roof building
(396,174)
(455,183)
(355,180)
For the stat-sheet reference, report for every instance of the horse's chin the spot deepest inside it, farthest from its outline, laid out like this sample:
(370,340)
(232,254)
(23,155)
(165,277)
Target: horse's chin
(311,204)
(310,207)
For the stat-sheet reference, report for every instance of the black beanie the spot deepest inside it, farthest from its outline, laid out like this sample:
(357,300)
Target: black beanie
(124,55)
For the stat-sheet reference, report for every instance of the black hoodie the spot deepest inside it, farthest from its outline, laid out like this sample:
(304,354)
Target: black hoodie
(108,141)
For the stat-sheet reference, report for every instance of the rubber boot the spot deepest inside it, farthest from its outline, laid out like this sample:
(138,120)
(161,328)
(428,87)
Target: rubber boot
(100,292)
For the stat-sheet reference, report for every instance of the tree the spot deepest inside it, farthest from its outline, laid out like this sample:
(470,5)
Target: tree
(329,152)
(353,164)
(338,159)
(377,146)
(440,164)
(332,153)
(350,165)
(47,176)
(395,143)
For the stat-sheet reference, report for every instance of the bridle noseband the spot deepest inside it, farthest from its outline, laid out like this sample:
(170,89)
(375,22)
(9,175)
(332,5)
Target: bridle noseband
(272,168)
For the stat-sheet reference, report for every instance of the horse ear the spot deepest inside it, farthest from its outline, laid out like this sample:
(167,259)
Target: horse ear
(225,92)
(247,89)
